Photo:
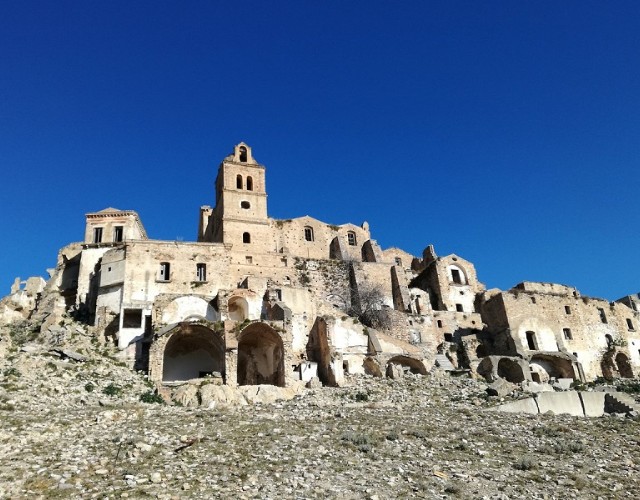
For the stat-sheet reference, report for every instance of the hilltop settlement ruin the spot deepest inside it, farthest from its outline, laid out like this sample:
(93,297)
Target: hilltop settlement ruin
(257,300)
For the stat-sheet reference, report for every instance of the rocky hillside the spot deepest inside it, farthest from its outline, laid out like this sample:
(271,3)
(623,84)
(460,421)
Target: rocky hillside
(78,424)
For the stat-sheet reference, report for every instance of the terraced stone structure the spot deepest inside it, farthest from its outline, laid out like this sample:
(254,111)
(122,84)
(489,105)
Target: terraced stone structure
(256,300)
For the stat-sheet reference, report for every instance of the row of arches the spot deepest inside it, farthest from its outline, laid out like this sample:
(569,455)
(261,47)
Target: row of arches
(196,351)
(242,184)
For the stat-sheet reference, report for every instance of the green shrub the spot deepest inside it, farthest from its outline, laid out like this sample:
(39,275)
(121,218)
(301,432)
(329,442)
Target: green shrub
(151,398)
(89,387)
(112,390)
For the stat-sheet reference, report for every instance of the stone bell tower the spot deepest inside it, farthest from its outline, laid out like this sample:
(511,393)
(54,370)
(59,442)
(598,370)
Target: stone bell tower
(240,215)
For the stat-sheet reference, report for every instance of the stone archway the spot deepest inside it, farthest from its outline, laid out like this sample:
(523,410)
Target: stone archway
(545,367)
(193,351)
(624,367)
(511,371)
(318,350)
(408,364)
(260,356)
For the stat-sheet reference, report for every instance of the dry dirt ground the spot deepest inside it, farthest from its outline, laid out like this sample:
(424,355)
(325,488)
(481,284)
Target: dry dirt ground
(79,430)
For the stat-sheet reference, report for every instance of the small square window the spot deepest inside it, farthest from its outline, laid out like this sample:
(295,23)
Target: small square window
(459,308)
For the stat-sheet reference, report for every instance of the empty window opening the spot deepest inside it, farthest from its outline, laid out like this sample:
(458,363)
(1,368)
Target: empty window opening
(455,276)
(243,154)
(201,272)
(531,341)
(398,261)
(118,234)
(603,316)
(165,271)
(448,337)
(249,259)
(239,181)
(533,300)
(439,322)
(630,324)
(97,235)
(245,204)
(132,318)
(567,333)
(576,355)
(249,183)
(308,233)
(279,294)
(609,340)
(459,308)
(246,238)
(351,238)
(567,309)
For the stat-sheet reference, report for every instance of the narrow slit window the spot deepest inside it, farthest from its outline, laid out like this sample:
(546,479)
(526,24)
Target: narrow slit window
(249,183)
(239,181)
(567,333)
(165,271)
(630,324)
(603,315)
(201,272)
(531,341)
(567,309)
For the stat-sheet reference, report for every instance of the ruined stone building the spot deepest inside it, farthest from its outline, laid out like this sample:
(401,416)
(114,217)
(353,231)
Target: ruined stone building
(257,300)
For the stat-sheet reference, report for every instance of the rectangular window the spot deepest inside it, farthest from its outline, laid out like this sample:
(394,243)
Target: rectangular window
(398,261)
(132,318)
(455,276)
(118,234)
(279,294)
(459,308)
(567,309)
(448,337)
(439,324)
(165,271)
(201,272)
(603,316)
(351,238)
(249,259)
(97,235)
(630,324)
(308,233)
(567,333)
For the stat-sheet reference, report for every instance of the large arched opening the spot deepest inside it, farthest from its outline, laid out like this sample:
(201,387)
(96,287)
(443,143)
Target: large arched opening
(510,370)
(624,367)
(193,351)
(408,364)
(543,368)
(260,356)
(238,308)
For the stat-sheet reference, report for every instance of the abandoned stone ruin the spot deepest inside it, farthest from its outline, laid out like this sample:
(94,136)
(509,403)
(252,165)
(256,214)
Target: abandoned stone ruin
(256,300)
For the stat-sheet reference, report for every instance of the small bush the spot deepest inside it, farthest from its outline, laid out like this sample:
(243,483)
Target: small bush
(112,390)
(356,438)
(89,387)
(12,372)
(525,463)
(361,396)
(151,398)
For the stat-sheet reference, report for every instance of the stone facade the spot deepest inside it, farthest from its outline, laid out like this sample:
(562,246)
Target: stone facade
(257,300)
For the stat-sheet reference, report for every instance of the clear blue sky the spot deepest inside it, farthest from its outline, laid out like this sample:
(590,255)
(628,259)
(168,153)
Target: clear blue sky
(505,132)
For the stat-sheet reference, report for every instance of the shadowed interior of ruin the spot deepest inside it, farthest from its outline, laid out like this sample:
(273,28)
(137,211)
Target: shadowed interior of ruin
(193,352)
(260,356)
(510,370)
(412,365)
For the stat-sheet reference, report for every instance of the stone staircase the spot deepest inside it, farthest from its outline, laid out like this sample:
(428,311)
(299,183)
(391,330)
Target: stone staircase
(443,363)
(621,402)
